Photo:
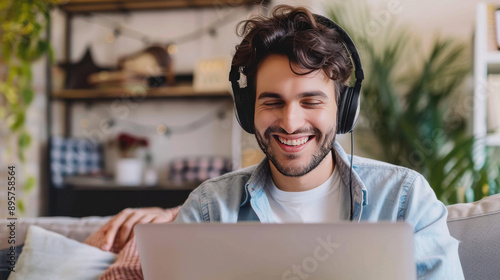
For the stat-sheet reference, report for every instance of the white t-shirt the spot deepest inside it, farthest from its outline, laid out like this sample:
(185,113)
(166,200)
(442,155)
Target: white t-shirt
(318,205)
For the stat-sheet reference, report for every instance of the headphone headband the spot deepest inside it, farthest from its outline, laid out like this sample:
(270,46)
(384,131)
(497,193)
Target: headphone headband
(349,44)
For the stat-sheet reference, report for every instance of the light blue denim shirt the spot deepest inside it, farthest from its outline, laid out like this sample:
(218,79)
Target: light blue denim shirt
(381,192)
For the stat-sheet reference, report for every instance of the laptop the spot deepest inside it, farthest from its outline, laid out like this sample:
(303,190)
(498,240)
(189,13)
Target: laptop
(251,251)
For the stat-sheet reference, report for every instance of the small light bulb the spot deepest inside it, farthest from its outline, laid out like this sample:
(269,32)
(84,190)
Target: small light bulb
(84,123)
(110,38)
(161,129)
(172,49)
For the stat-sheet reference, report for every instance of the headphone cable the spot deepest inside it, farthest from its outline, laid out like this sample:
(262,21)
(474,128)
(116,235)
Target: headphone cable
(350,176)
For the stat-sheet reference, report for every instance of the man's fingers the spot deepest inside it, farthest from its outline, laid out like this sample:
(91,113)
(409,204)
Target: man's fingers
(172,213)
(114,234)
(161,219)
(127,229)
(113,227)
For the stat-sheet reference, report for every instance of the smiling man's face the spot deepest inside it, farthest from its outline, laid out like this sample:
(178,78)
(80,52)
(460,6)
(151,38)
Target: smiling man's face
(295,116)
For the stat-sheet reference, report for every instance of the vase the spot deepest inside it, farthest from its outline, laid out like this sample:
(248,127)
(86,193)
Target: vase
(129,171)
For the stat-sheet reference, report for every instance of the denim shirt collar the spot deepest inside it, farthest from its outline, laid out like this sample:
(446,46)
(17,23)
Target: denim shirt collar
(254,188)
(256,182)
(359,191)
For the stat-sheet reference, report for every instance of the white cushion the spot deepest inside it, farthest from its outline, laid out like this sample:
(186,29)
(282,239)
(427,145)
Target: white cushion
(477,226)
(485,206)
(49,255)
(75,228)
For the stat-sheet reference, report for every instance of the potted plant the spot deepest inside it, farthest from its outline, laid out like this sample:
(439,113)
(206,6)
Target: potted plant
(129,166)
(22,34)
(411,110)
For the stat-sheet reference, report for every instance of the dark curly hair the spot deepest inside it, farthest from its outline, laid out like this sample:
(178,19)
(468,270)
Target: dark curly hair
(294,32)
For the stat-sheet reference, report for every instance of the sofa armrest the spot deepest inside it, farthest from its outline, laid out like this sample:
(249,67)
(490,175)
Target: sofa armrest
(477,226)
(74,228)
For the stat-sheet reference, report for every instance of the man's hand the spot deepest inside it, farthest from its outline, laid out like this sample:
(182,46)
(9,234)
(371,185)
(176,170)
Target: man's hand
(113,235)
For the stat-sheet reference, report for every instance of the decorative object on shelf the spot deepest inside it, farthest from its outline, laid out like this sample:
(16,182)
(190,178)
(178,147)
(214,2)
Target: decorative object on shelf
(129,171)
(129,144)
(77,74)
(414,115)
(117,80)
(198,169)
(149,68)
(157,81)
(154,61)
(211,74)
(150,174)
(151,61)
(130,165)
(73,156)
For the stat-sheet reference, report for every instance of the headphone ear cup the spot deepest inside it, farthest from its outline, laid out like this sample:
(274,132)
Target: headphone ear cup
(244,101)
(244,106)
(341,110)
(348,110)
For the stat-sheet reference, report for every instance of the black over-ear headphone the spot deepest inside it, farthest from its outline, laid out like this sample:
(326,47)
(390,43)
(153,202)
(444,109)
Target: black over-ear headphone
(348,106)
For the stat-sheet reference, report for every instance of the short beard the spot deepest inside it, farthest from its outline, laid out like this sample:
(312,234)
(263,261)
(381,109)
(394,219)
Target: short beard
(325,148)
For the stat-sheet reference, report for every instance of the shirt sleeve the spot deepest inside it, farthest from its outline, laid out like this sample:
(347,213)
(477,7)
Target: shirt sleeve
(436,251)
(191,210)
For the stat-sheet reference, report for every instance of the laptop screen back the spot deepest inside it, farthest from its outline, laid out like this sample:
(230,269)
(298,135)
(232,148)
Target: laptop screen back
(249,251)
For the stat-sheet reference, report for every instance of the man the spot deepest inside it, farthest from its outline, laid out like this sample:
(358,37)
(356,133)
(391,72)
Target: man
(296,70)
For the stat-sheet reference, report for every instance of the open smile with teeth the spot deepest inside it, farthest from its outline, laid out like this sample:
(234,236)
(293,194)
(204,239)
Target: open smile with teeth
(294,142)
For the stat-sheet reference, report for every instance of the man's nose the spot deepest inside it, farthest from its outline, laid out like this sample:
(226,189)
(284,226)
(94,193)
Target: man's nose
(292,118)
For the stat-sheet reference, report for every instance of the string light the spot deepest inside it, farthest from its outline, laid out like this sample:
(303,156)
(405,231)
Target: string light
(110,38)
(84,123)
(163,129)
(172,48)
(128,32)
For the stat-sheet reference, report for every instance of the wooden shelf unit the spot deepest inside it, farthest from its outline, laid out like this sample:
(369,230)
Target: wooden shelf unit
(81,200)
(162,92)
(93,6)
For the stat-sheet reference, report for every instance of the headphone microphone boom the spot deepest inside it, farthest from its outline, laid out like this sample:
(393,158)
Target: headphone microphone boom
(349,103)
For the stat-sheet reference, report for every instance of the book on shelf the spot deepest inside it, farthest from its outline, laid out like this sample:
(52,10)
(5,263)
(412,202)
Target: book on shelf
(493,101)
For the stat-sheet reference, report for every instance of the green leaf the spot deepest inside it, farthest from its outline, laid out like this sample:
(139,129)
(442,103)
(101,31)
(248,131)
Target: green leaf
(20,155)
(10,94)
(42,48)
(4,5)
(24,140)
(21,207)
(28,95)
(26,73)
(15,121)
(29,184)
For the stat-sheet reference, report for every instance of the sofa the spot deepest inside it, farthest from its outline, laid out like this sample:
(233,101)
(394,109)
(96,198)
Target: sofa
(476,225)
